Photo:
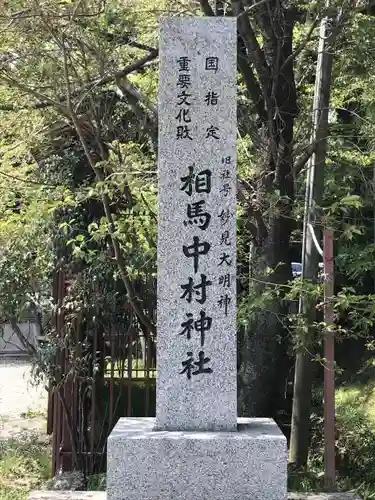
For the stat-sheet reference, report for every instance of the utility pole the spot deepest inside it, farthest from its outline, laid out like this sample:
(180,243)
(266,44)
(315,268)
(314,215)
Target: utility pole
(329,368)
(300,426)
(373,210)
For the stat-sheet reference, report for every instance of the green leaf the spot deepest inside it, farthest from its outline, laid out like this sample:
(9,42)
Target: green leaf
(353,200)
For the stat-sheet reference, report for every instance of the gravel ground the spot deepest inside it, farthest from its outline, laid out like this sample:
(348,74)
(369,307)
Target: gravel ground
(17,395)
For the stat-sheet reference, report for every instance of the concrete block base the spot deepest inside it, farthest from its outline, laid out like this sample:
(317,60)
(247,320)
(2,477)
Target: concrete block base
(102,495)
(144,464)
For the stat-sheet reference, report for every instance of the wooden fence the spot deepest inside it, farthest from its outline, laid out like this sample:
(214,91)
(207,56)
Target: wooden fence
(83,410)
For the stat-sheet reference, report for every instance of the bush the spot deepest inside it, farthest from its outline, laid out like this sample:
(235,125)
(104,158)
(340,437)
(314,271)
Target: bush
(25,464)
(355,445)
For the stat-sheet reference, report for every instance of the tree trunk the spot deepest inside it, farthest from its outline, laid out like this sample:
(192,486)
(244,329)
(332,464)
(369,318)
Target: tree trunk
(268,76)
(263,358)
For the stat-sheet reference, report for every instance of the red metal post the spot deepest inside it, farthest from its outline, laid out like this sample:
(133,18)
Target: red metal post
(329,370)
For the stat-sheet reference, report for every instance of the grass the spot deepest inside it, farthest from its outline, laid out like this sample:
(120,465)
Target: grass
(355,445)
(25,464)
(360,396)
(30,413)
(120,369)
(97,482)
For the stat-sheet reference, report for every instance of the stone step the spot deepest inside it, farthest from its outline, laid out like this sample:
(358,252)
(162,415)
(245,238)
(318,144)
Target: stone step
(101,495)
(323,496)
(67,495)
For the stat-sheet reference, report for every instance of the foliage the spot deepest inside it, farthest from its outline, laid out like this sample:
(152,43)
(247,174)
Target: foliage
(25,260)
(82,189)
(25,464)
(355,441)
(97,482)
(68,481)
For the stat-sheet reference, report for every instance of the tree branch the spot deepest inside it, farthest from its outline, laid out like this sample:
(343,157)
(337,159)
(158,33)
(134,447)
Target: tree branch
(254,52)
(48,102)
(251,226)
(123,72)
(247,10)
(301,45)
(133,299)
(304,158)
(206,8)
(133,99)
(27,181)
(125,39)
(252,45)
(251,82)
(25,14)
(129,88)
(140,46)
(252,86)
(252,210)
(42,97)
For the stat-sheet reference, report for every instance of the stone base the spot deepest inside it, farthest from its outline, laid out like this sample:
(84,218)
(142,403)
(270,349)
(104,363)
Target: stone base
(143,464)
(102,495)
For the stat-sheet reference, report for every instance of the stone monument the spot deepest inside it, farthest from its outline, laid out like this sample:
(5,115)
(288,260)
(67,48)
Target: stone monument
(196,446)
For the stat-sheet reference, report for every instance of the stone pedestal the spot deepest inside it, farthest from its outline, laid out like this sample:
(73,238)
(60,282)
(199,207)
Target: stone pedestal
(247,464)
